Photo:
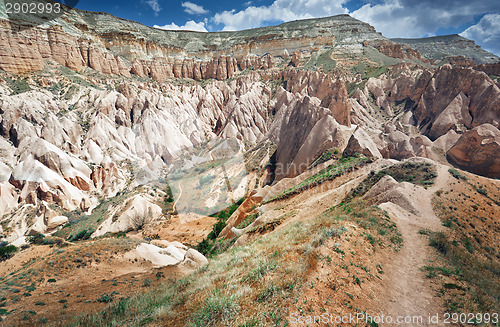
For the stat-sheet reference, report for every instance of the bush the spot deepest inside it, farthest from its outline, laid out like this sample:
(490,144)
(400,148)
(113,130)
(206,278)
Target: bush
(440,242)
(481,191)
(7,252)
(456,174)
(38,238)
(207,245)
(106,298)
(169,196)
(84,234)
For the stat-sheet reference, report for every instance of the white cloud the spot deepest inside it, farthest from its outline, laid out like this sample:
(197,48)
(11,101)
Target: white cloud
(193,8)
(189,26)
(486,33)
(389,19)
(154,5)
(279,10)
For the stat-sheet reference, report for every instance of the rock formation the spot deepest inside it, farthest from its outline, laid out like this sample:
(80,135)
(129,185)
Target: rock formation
(90,112)
(477,151)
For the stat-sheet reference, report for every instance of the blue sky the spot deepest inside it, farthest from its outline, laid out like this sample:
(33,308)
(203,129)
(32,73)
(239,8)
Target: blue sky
(478,20)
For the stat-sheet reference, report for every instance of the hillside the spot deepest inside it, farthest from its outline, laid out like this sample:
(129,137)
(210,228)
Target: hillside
(250,178)
(441,47)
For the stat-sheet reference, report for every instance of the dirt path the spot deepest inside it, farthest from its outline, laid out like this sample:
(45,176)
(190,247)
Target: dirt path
(406,291)
(179,197)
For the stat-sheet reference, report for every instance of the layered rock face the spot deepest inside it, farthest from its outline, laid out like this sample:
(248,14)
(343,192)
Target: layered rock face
(28,51)
(441,47)
(114,46)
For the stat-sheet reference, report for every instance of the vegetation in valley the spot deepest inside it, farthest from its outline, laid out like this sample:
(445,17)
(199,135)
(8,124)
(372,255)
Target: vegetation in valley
(331,172)
(419,173)
(210,245)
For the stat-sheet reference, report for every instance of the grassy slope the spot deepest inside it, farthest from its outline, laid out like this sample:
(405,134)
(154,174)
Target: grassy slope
(469,269)
(262,282)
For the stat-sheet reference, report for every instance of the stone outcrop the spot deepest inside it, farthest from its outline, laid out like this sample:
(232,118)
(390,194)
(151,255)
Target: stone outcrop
(477,151)
(136,213)
(361,143)
(457,96)
(395,50)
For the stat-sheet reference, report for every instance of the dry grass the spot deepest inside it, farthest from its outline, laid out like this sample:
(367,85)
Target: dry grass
(469,245)
(257,284)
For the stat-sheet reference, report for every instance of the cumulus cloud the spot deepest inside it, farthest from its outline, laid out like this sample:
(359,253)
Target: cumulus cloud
(154,5)
(189,26)
(279,10)
(193,8)
(486,33)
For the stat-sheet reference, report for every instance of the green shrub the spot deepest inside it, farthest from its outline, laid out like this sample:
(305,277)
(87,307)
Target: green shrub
(38,239)
(440,242)
(207,245)
(84,234)
(106,298)
(481,191)
(7,251)
(456,174)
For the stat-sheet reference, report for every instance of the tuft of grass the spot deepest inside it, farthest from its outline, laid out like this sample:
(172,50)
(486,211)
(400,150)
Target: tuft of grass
(268,293)
(216,309)
(479,273)
(456,174)
(106,298)
(442,270)
(262,269)
(448,223)
(329,173)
